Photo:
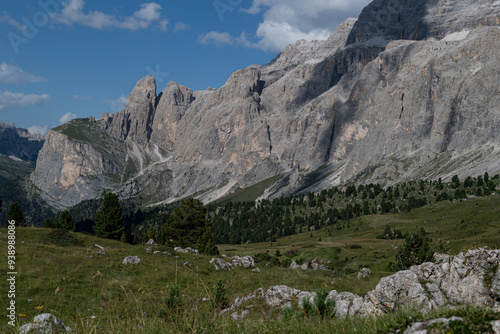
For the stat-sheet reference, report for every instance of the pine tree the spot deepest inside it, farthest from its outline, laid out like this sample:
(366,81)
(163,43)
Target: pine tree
(415,250)
(188,224)
(109,220)
(15,213)
(66,222)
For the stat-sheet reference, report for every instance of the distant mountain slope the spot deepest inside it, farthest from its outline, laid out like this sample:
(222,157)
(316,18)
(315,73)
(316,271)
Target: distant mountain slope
(408,90)
(19,142)
(18,151)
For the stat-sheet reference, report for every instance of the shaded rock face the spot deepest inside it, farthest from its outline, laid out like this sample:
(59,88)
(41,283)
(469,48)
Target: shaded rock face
(387,20)
(457,280)
(19,142)
(409,90)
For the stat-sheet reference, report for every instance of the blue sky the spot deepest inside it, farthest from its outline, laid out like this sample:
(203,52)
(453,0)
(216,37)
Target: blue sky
(61,59)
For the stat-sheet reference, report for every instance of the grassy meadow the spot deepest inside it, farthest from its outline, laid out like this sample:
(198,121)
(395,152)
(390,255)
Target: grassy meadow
(61,273)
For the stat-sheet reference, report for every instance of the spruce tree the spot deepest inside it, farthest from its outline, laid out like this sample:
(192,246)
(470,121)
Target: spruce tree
(188,225)
(66,222)
(109,220)
(15,213)
(415,250)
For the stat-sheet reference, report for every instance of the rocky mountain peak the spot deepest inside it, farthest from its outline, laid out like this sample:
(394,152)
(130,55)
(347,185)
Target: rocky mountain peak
(144,92)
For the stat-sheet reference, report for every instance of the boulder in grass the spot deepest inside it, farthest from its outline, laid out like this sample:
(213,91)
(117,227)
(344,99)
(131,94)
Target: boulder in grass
(186,250)
(44,323)
(245,261)
(220,264)
(364,273)
(131,260)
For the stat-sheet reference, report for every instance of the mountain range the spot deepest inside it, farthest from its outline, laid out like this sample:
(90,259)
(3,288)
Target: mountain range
(408,90)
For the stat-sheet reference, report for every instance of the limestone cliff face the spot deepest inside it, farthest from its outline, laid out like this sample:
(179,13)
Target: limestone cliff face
(408,90)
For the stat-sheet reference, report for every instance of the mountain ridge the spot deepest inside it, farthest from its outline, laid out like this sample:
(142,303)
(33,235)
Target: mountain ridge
(365,104)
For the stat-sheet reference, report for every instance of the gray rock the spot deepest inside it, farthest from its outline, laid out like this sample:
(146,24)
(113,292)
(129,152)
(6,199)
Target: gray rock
(101,252)
(495,325)
(364,273)
(294,265)
(459,280)
(495,286)
(304,266)
(257,270)
(131,260)
(150,242)
(245,261)
(220,264)
(44,323)
(323,267)
(421,327)
(236,316)
(186,250)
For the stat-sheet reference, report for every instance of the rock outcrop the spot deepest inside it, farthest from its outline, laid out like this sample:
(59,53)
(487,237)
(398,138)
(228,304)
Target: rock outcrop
(131,260)
(457,280)
(44,323)
(409,90)
(19,142)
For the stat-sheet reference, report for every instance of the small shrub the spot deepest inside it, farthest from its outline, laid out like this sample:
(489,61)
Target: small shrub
(220,300)
(286,263)
(287,313)
(174,297)
(415,250)
(274,261)
(320,300)
(307,306)
(60,237)
(262,257)
(488,276)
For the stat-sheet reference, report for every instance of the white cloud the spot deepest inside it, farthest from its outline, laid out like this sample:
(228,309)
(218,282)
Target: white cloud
(180,26)
(9,100)
(163,25)
(73,13)
(7,18)
(81,97)
(12,74)
(41,130)
(217,38)
(116,104)
(276,36)
(67,117)
(287,21)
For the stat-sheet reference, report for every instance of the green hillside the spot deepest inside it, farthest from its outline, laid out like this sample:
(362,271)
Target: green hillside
(62,274)
(11,169)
